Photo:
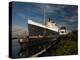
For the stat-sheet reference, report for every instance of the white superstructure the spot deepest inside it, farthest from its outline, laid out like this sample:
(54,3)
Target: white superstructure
(62,31)
(49,25)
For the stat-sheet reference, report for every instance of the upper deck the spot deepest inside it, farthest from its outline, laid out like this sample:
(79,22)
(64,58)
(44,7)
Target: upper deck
(48,26)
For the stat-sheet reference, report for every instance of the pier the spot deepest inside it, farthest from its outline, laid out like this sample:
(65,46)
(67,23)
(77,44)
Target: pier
(42,43)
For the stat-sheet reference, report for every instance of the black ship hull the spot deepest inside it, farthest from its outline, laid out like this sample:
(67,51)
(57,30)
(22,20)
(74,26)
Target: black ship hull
(40,31)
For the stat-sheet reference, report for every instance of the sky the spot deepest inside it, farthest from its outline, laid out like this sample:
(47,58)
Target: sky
(63,15)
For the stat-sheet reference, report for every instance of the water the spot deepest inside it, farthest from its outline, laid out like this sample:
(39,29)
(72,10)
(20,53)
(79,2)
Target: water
(15,48)
(19,51)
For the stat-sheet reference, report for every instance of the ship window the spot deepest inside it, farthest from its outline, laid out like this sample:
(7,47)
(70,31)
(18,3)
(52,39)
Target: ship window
(62,32)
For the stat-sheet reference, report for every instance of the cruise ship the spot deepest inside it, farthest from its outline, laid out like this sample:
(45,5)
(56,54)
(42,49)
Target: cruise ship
(49,29)
(43,33)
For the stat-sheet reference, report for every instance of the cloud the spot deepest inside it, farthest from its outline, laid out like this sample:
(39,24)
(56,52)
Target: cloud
(60,24)
(22,16)
(19,30)
(34,18)
(65,15)
(73,19)
(49,8)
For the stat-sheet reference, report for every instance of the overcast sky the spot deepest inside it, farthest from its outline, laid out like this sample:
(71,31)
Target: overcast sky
(63,15)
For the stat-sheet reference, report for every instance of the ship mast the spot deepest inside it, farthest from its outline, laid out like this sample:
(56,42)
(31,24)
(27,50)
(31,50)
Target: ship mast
(44,16)
(44,22)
